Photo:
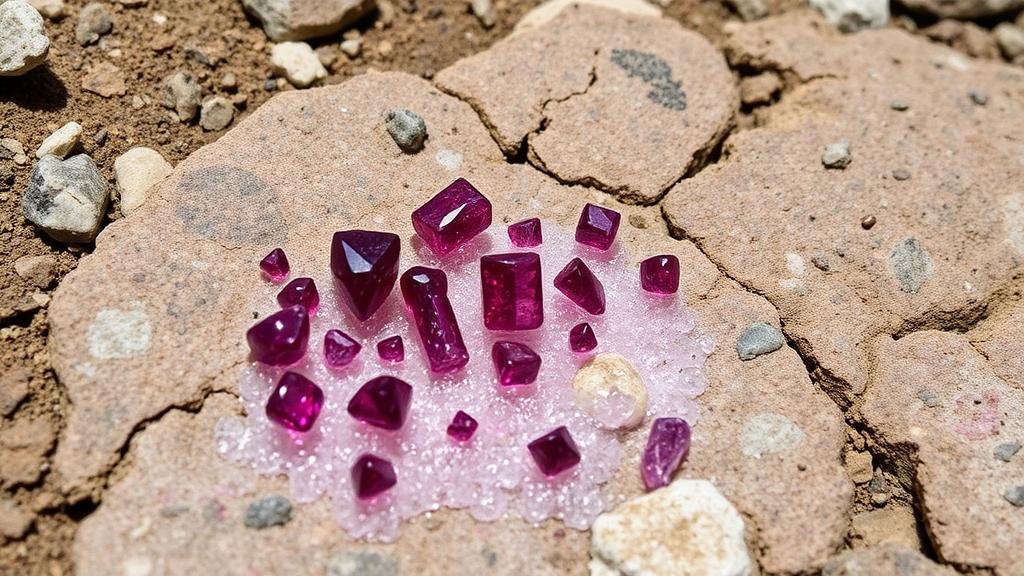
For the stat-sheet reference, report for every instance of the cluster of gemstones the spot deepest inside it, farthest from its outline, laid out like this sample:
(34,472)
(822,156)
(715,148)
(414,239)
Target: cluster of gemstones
(364,268)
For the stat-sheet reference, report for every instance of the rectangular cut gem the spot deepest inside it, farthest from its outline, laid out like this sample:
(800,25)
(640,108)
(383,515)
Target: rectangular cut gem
(453,217)
(512,291)
(425,291)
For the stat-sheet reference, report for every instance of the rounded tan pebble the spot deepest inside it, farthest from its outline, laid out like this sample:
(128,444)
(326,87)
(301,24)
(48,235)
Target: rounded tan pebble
(606,375)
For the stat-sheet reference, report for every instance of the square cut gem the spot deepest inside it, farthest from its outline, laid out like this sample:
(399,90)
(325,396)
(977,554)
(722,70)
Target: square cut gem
(512,291)
(453,217)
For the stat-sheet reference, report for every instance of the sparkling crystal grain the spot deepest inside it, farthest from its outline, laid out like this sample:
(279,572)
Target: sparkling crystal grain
(580,285)
(555,452)
(516,364)
(372,476)
(365,265)
(463,427)
(597,226)
(281,338)
(339,349)
(382,402)
(391,349)
(660,274)
(452,217)
(667,446)
(425,291)
(295,402)
(512,290)
(300,291)
(275,265)
(526,234)
(582,338)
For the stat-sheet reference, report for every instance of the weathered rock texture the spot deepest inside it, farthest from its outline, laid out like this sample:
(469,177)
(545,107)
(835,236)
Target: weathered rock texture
(304,19)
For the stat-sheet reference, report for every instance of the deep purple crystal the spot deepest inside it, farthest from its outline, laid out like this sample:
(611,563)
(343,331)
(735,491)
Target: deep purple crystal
(582,338)
(452,217)
(597,226)
(295,402)
(555,452)
(340,349)
(463,427)
(512,291)
(425,291)
(660,274)
(365,266)
(391,349)
(526,234)
(382,402)
(372,476)
(580,285)
(516,364)
(667,446)
(281,338)
(300,291)
(275,265)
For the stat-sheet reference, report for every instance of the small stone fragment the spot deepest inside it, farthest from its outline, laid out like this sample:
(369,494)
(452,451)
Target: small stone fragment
(23,40)
(979,98)
(302,21)
(229,82)
(407,128)
(391,349)
(868,222)
(512,290)
(610,389)
(854,15)
(275,265)
(137,171)
(597,226)
(37,270)
(660,274)
(93,22)
(837,155)
(50,9)
(181,93)
(1006,451)
(484,12)
(372,476)
(526,233)
(382,402)
(365,266)
(105,79)
(453,217)
(66,198)
(667,446)
(1015,495)
(61,142)
(13,389)
(579,284)
(340,349)
(301,291)
(295,402)
(425,291)
(582,338)
(555,452)
(352,47)
(911,265)
(860,466)
(761,89)
(268,511)
(1010,38)
(14,522)
(929,398)
(281,338)
(750,10)
(463,427)
(298,63)
(216,114)
(901,174)
(758,339)
(899,106)
(516,364)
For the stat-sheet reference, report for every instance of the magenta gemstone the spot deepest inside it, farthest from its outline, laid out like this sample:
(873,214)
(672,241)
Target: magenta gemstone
(382,402)
(300,291)
(580,285)
(295,402)
(512,290)
(463,427)
(391,349)
(582,338)
(660,274)
(597,226)
(525,234)
(453,217)
(275,265)
(340,349)
(515,363)
(425,291)
(372,476)
(667,445)
(281,338)
(365,265)
(555,452)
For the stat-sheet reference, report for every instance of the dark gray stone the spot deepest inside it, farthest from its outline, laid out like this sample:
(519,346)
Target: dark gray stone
(759,339)
(269,511)
(837,155)
(1006,451)
(654,71)
(407,128)
(1015,495)
(180,92)
(66,198)
(911,264)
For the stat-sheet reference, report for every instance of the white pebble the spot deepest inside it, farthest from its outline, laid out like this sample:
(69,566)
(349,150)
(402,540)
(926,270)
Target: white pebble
(136,172)
(297,62)
(61,142)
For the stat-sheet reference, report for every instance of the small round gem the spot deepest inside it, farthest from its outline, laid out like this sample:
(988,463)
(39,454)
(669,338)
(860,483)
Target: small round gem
(463,427)
(340,349)
(660,274)
(372,476)
(555,452)
(295,402)
(300,291)
(275,265)
(382,402)
(526,234)
(516,364)
(582,338)
(391,349)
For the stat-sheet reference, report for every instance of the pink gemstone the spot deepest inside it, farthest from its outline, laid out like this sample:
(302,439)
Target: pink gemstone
(453,217)
(512,290)
(275,265)
(295,402)
(339,349)
(555,452)
(382,402)
(660,274)
(300,291)
(515,363)
(281,338)
(525,234)
(667,445)
(582,338)
(391,349)
(463,427)
(580,285)
(425,291)
(372,476)
(597,227)
(365,265)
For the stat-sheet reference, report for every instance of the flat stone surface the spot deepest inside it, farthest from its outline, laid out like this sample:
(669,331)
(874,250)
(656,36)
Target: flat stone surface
(889,559)
(624,103)
(944,446)
(944,241)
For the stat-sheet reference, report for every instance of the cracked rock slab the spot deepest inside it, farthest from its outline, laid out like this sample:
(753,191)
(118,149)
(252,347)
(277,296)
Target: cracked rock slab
(623,103)
(885,559)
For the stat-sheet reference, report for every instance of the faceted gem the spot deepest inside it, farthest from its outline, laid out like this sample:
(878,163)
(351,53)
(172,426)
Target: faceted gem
(365,265)
(582,338)
(300,291)
(372,476)
(660,274)
(667,445)
(525,234)
(515,363)
(281,338)
(580,285)
(512,290)
(391,349)
(340,349)
(555,452)
(382,402)
(275,265)
(453,217)
(463,427)
(425,291)
(295,402)
(597,226)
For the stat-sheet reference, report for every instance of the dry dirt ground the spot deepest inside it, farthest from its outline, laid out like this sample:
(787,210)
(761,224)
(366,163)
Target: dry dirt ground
(210,39)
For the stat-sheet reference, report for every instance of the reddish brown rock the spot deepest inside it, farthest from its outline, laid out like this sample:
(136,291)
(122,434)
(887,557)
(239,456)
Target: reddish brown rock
(105,79)
(24,444)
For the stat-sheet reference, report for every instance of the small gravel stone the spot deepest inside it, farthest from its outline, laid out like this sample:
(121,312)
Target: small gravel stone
(979,98)
(50,9)
(750,10)
(1010,38)
(911,264)
(93,22)
(899,106)
(13,390)
(638,221)
(854,15)
(837,155)
(217,114)
(352,47)
(23,41)
(181,93)
(37,270)
(860,466)
(1006,451)
(929,398)
(61,142)
(1015,495)
(14,522)
(298,63)
(66,198)
(484,12)
(269,511)
(868,222)
(758,339)
(104,79)
(901,174)
(407,128)
(229,82)
(136,172)
(821,262)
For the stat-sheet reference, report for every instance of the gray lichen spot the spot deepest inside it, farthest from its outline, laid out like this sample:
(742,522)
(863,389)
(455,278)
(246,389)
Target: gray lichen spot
(653,70)
(362,564)
(911,265)
(117,333)
(269,511)
(929,398)
(769,433)
(759,338)
(231,205)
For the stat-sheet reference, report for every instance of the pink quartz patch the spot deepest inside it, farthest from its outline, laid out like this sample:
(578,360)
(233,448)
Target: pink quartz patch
(977,415)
